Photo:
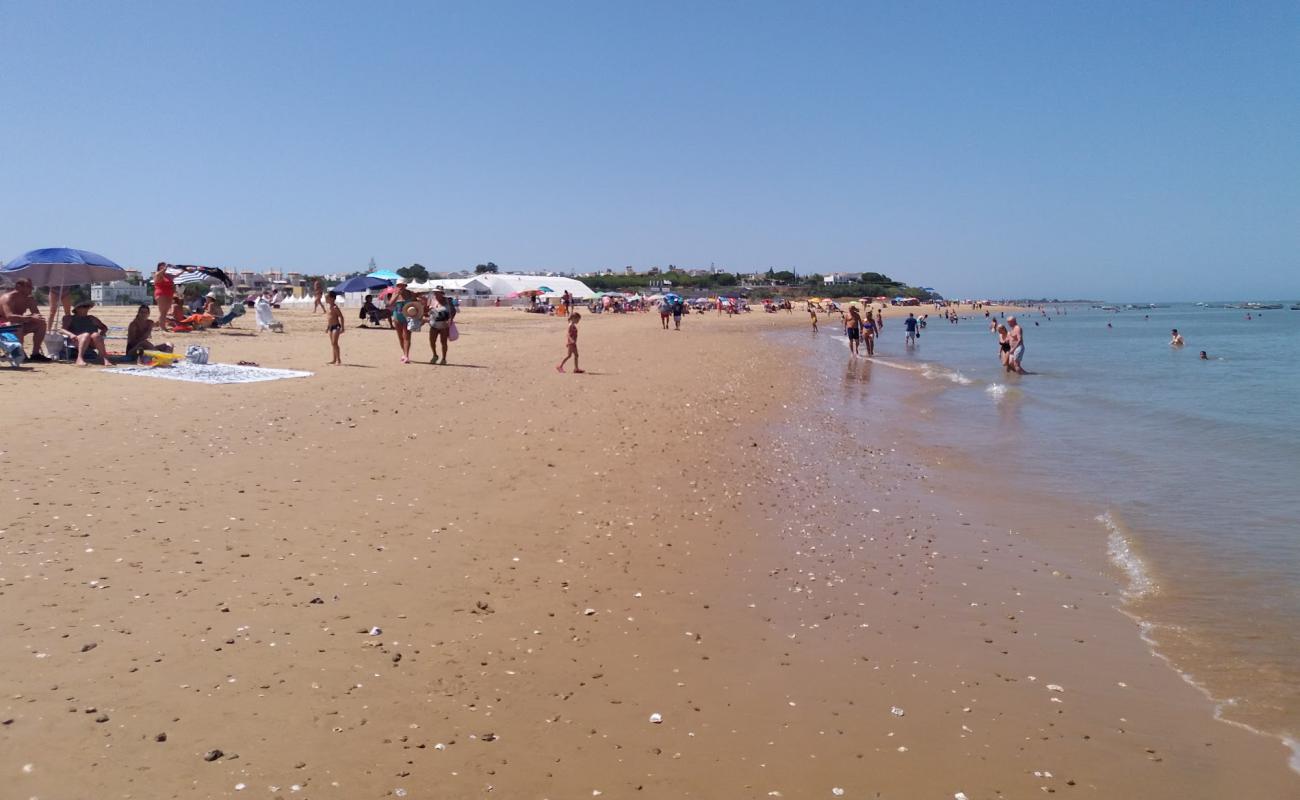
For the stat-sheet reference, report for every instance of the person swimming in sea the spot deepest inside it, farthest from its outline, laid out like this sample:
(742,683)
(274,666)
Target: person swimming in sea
(1204,357)
(1175,338)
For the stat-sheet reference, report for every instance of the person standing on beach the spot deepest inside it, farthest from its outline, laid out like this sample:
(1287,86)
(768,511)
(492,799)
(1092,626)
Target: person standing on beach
(317,291)
(813,314)
(869,334)
(164,293)
(665,311)
(678,307)
(401,322)
(571,345)
(1016,339)
(853,328)
(334,326)
(442,312)
(1004,346)
(909,325)
(880,321)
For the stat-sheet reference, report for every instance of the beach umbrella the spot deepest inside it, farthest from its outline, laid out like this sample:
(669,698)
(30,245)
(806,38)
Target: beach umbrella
(58,267)
(545,289)
(188,273)
(62,266)
(384,275)
(183,276)
(362,283)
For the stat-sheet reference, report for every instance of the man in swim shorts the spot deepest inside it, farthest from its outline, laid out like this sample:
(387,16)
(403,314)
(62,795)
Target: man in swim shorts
(18,308)
(1015,338)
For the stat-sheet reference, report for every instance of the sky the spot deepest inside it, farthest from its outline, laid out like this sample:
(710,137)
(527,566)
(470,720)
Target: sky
(1066,149)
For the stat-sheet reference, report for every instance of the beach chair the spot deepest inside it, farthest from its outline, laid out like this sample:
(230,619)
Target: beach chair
(265,320)
(11,347)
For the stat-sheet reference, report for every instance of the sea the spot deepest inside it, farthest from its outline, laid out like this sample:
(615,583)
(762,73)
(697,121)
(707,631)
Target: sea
(1191,465)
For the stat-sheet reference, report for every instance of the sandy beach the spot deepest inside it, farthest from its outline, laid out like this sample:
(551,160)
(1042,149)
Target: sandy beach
(677,575)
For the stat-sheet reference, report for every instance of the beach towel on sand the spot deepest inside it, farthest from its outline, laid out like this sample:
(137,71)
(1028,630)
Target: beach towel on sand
(211,373)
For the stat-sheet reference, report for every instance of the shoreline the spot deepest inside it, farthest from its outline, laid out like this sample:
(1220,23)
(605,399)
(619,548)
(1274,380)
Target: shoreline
(1131,580)
(1146,592)
(714,529)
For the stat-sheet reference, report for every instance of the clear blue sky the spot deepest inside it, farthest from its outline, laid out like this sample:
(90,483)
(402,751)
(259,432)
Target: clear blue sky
(1125,150)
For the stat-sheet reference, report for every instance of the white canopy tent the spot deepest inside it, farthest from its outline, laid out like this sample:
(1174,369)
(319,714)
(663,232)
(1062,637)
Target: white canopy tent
(500,285)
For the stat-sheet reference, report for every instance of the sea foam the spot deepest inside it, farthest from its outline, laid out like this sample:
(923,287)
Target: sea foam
(1120,550)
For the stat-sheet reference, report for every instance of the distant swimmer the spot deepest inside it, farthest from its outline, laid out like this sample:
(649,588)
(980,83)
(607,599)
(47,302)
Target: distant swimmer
(1015,338)
(1175,338)
(1204,357)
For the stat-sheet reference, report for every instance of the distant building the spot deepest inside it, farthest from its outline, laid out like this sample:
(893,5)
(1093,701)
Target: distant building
(119,293)
(842,277)
(252,280)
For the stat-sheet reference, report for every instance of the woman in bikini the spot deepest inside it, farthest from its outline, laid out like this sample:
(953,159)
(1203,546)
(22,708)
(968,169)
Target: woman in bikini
(403,323)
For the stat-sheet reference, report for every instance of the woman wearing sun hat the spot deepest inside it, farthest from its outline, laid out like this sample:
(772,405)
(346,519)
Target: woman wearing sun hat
(408,311)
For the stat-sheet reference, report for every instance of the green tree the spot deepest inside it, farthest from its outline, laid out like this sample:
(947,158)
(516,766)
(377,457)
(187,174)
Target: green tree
(415,272)
(488,267)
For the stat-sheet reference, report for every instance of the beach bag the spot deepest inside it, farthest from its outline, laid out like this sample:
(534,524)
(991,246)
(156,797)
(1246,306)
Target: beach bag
(196,354)
(453,333)
(56,345)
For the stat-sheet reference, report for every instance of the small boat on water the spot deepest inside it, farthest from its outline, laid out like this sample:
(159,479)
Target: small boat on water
(1295,306)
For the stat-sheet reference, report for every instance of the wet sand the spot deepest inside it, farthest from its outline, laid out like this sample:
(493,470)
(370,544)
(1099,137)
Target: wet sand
(550,560)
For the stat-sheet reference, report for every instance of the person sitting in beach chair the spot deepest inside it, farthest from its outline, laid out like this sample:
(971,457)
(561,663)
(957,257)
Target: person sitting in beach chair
(87,332)
(18,310)
(220,318)
(372,312)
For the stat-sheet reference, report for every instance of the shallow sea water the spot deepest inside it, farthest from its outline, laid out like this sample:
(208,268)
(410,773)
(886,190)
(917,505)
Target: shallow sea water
(1192,467)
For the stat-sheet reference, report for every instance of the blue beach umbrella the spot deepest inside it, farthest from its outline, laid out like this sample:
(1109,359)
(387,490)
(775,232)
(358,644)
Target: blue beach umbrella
(62,266)
(362,283)
(385,275)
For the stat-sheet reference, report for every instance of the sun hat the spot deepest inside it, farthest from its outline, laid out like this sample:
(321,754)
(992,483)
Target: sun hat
(86,303)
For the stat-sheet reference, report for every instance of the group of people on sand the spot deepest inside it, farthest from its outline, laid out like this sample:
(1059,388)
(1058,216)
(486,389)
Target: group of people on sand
(1011,344)
(174,314)
(84,331)
(407,313)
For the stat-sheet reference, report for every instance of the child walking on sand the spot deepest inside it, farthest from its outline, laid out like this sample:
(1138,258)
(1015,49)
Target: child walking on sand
(572,345)
(334,325)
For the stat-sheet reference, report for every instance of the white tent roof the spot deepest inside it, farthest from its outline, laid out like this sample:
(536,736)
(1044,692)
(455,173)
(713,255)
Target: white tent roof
(503,285)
